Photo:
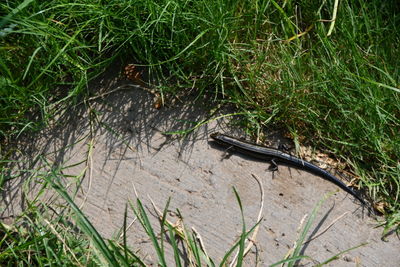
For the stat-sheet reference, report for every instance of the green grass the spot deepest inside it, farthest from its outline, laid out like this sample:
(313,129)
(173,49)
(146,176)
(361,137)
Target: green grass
(338,93)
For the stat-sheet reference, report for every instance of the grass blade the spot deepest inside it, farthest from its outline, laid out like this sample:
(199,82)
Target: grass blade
(306,229)
(340,253)
(174,245)
(144,220)
(289,260)
(243,235)
(82,221)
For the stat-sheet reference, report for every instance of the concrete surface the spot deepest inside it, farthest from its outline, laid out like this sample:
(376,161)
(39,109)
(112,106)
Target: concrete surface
(131,152)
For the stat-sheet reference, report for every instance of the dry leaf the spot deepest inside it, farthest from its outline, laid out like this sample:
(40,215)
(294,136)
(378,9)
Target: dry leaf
(381,207)
(131,72)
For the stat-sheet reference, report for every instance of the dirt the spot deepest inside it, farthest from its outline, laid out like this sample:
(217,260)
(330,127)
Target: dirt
(131,154)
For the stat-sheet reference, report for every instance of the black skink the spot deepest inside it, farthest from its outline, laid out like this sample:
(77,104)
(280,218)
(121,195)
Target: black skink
(267,153)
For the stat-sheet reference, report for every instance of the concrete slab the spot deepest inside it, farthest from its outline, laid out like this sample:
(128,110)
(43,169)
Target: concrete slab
(130,153)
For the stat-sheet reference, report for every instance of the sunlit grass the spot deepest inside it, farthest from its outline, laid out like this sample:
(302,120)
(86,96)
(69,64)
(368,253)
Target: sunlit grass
(272,60)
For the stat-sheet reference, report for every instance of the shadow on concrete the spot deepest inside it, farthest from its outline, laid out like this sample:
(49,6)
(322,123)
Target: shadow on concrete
(122,112)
